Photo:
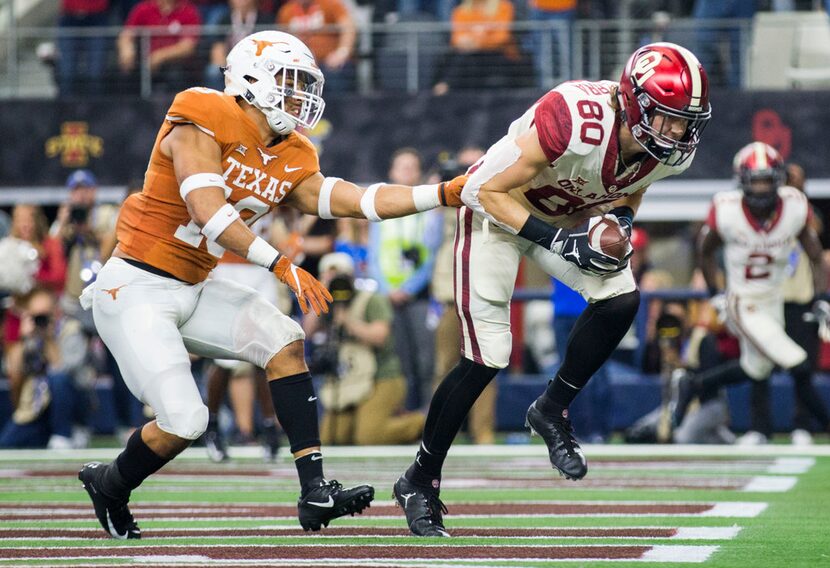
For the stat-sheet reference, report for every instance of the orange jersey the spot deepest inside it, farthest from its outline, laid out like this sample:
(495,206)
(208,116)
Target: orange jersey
(154,225)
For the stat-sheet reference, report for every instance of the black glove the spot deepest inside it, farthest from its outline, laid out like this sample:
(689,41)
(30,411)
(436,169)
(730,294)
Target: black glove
(573,245)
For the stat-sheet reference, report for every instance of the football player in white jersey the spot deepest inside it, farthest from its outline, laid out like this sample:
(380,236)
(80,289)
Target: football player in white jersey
(758,226)
(584,150)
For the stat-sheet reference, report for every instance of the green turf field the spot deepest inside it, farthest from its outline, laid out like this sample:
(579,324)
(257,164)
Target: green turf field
(719,507)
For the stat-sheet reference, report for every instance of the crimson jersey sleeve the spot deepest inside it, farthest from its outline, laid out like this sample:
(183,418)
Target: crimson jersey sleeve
(553,125)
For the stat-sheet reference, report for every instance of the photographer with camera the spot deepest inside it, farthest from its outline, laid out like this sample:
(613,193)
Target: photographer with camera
(83,226)
(42,392)
(352,346)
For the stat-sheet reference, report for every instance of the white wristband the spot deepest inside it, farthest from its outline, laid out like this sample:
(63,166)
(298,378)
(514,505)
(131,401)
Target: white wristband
(367,203)
(197,181)
(220,221)
(262,254)
(425,197)
(324,201)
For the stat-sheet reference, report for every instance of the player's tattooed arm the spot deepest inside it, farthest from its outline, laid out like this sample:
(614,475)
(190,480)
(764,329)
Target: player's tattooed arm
(707,245)
(333,198)
(812,248)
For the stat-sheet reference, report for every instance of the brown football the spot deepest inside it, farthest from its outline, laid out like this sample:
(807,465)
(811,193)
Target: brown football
(609,237)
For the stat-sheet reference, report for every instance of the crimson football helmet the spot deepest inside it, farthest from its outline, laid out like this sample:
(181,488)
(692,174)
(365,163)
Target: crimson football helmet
(759,162)
(665,78)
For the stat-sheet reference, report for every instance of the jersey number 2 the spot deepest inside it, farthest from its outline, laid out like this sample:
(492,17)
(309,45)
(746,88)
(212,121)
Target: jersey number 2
(757,266)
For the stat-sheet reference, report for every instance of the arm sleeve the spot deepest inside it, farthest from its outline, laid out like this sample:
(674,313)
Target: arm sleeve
(553,125)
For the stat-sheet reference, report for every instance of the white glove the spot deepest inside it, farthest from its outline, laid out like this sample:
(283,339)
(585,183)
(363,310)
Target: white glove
(718,302)
(821,311)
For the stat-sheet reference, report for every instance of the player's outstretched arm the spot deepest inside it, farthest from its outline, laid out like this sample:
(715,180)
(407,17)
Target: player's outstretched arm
(334,198)
(197,163)
(707,246)
(812,247)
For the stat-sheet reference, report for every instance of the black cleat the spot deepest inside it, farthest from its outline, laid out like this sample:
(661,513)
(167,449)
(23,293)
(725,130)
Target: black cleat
(563,450)
(113,514)
(422,506)
(217,449)
(330,500)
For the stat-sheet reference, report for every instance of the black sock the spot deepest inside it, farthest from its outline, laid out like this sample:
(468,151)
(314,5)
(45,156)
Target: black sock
(450,404)
(310,471)
(295,405)
(595,335)
(132,466)
(557,397)
(807,395)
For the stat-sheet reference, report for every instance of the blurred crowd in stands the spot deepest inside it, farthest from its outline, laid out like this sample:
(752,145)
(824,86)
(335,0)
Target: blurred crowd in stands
(175,44)
(391,335)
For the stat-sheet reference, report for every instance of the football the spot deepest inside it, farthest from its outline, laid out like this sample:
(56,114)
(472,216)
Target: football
(608,237)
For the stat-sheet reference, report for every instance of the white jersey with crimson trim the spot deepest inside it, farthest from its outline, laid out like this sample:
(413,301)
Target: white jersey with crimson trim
(578,130)
(756,256)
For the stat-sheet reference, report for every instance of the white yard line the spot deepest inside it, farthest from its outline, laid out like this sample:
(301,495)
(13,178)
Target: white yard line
(792,465)
(735,509)
(770,484)
(690,554)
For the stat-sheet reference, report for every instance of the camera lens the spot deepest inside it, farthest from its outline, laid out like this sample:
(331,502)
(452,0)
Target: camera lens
(42,320)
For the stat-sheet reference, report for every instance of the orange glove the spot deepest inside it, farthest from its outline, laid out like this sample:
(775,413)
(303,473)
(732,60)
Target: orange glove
(308,289)
(449,192)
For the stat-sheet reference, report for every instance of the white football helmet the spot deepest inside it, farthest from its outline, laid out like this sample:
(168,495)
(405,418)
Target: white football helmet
(276,72)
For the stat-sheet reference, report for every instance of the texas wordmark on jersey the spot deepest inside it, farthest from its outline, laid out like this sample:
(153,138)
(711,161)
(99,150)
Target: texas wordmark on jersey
(155,226)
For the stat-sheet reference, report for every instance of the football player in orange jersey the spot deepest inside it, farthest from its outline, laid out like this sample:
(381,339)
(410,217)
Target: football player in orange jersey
(220,162)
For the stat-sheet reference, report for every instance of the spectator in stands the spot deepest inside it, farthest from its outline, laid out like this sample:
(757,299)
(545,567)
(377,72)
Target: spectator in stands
(42,393)
(49,271)
(242,19)
(441,10)
(550,65)
(170,58)
(29,224)
(365,390)
(327,28)
(482,417)
(483,53)
(401,257)
(212,12)
(799,294)
(710,38)
(710,346)
(82,59)
(82,226)
(353,239)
